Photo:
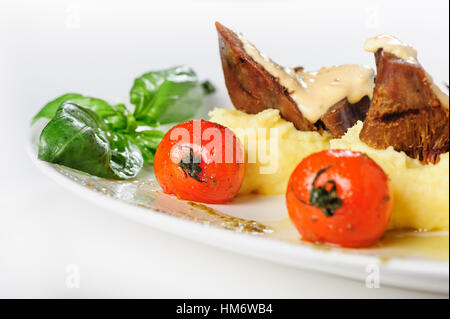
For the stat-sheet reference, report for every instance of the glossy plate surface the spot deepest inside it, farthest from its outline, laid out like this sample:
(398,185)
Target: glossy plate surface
(259,226)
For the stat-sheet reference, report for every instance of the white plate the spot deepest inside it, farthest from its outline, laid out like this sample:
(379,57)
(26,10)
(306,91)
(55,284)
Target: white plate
(141,201)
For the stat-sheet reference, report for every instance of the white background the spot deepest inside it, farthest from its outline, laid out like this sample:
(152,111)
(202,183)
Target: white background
(48,48)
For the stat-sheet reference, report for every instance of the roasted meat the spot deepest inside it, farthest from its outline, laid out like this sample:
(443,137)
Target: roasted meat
(405,113)
(253,89)
(343,115)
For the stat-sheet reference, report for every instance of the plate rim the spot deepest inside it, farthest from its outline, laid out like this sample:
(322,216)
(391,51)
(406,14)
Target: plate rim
(406,273)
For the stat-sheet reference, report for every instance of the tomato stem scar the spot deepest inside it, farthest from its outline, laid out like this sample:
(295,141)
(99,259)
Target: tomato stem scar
(326,200)
(190,164)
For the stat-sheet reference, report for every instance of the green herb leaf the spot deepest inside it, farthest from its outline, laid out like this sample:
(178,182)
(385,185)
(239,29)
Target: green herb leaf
(93,136)
(79,138)
(117,117)
(168,96)
(49,110)
(208,87)
(147,141)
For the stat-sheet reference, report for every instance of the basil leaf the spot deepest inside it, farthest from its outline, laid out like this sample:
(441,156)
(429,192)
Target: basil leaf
(117,117)
(79,138)
(120,120)
(168,96)
(49,110)
(147,141)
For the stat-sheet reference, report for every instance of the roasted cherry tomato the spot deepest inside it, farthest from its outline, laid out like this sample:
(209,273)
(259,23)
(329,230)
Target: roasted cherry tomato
(200,161)
(339,197)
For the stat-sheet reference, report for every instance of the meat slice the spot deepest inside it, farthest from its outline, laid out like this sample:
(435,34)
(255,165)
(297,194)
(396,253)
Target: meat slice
(343,115)
(251,88)
(404,112)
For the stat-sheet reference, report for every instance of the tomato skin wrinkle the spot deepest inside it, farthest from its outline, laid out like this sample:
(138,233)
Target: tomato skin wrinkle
(361,214)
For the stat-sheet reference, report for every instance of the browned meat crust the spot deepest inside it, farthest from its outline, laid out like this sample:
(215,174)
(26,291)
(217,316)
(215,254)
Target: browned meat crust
(251,88)
(404,112)
(343,115)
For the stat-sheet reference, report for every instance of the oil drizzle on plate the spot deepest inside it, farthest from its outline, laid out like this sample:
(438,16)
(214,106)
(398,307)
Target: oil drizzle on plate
(234,223)
(394,244)
(145,192)
(430,245)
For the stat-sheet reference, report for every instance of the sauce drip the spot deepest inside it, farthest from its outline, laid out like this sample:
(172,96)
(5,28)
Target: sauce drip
(392,45)
(405,52)
(315,92)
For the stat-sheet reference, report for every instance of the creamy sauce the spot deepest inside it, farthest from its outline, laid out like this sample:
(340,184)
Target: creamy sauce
(406,52)
(315,92)
(392,45)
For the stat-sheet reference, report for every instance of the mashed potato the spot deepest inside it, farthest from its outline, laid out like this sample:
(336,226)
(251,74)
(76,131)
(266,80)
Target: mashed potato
(274,148)
(421,192)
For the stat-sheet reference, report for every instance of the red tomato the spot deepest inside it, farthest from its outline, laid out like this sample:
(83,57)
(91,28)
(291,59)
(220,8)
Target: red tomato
(339,197)
(200,161)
